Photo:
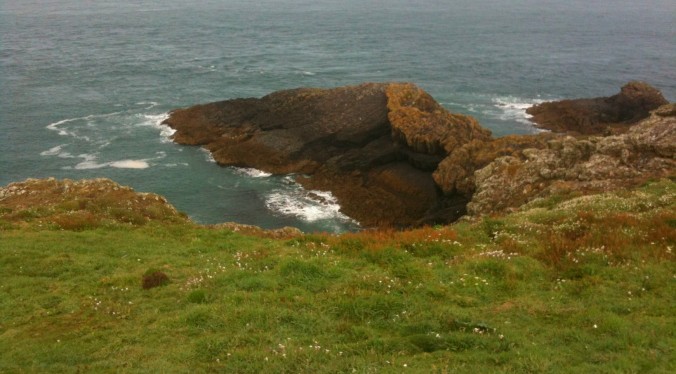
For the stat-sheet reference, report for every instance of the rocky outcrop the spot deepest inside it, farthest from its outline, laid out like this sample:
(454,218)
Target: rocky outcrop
(392,156)
(374,146)
(568,165)
(602,115)
(82,204)
(455,174)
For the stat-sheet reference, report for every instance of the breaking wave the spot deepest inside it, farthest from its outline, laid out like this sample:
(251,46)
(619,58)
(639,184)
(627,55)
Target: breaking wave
(307,205)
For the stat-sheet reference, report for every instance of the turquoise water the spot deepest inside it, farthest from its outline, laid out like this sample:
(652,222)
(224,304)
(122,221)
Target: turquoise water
(85,85)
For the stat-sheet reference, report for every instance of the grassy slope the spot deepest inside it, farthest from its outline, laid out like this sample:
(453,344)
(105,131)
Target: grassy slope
(583,285)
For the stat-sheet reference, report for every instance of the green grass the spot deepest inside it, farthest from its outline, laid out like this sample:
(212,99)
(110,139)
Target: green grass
(571,286)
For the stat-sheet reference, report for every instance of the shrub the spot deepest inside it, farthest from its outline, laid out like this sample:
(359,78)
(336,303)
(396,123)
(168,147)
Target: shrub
(154,278)
(77,221)
(125,215)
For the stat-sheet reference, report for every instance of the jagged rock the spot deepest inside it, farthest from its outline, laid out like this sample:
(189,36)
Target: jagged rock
(580,165)
(422,124)
(374,146)
(455,174)
(602,115)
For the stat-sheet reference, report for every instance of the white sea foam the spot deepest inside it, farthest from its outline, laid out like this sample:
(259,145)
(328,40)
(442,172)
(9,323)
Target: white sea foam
(66,131)
(57,151)
(90,162)
(149,104)
(514,108)
(155,120)
(309,206)
(255,173)
(209,157)
(54,151)
(129,164)
(122,164)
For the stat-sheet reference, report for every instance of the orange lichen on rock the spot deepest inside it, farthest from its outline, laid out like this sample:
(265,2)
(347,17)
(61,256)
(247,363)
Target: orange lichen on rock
(419,122)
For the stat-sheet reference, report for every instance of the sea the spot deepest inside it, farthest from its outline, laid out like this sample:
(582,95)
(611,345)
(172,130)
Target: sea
(85,85)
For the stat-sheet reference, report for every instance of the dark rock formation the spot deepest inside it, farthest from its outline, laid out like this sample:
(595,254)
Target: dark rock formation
(602,115)
(373,146)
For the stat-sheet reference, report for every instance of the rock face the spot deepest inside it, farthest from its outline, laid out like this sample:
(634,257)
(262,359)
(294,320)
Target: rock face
(602,115)
(374,146)
(579,165)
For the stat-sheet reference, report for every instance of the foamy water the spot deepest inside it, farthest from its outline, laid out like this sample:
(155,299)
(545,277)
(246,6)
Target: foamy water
(251,172)
(308,205)
(101,135)
(514,108)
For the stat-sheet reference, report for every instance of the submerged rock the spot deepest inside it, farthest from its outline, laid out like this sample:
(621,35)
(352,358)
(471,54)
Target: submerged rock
(601,115)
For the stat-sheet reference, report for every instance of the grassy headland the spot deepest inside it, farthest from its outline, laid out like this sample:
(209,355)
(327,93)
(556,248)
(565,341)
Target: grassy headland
(570,285)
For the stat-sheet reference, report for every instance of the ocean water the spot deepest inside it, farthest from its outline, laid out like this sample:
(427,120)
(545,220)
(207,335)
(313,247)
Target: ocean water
(85,85)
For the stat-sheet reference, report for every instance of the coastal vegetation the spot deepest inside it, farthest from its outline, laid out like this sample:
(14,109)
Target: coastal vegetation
(120,281)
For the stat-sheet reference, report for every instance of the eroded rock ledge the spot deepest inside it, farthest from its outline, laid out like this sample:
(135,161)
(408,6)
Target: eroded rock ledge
(394,157)
(601,115)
